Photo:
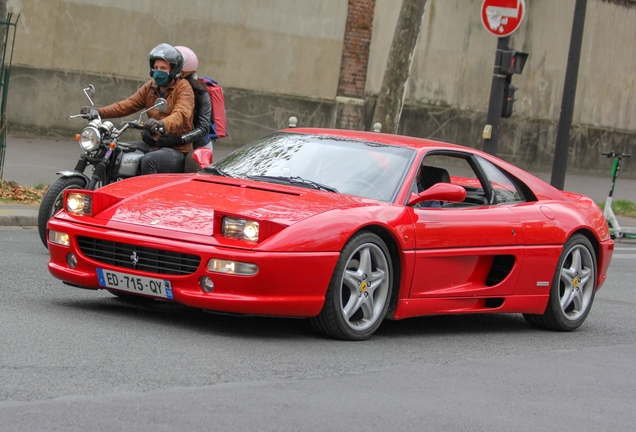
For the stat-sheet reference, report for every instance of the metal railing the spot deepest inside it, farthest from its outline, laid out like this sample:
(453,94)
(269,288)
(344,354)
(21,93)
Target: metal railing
(7,32)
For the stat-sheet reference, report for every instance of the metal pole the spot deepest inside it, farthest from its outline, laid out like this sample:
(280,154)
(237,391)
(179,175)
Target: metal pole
(496,98)
(560,163)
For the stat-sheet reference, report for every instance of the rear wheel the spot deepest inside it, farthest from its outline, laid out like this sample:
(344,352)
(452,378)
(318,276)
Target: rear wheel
(359,292)
(54,199)
(573,288)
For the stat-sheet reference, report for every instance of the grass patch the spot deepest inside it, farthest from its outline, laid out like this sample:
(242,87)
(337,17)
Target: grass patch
(622,208)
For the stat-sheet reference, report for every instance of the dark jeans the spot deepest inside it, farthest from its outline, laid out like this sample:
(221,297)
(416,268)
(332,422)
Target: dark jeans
(163,160)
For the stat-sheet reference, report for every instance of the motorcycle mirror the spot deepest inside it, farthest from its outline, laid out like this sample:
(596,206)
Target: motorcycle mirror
(90,89)
(161,105)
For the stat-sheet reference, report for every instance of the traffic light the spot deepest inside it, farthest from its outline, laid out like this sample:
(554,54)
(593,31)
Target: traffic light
(509,99)
(513,62)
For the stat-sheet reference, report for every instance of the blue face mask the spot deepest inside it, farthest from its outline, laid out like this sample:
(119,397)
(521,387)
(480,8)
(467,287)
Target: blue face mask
(161,78)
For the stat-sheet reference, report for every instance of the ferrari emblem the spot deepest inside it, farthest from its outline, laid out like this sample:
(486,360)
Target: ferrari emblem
(363,287)
(134,258)
(576,282)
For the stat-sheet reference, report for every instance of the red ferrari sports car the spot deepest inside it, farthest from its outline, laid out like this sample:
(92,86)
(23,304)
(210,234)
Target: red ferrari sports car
(345,228)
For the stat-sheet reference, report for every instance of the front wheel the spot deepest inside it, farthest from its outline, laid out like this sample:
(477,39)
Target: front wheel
(53,200)
(573,288)
(359,293)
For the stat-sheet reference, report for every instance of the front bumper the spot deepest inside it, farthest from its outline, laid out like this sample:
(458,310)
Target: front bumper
(287,284)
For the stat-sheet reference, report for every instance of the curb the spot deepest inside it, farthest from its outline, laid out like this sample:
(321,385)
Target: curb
(18,215)
(23,221)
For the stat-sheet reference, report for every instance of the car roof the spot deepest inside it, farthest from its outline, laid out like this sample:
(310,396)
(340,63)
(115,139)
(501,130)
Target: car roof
(540,188)
(378,137)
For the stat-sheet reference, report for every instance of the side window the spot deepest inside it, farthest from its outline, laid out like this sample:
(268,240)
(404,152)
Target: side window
(503,188)
(452,169)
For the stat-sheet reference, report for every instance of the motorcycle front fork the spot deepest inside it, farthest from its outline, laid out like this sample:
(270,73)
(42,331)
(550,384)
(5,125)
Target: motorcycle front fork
(81,165)
(99,175)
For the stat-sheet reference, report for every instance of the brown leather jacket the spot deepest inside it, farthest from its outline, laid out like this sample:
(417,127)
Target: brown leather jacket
(177,118)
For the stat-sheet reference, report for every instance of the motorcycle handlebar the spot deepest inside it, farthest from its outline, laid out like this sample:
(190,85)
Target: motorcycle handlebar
(140,125)
(84,116)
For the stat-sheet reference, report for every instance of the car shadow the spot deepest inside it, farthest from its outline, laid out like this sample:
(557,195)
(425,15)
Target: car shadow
(248,326)
(194,320)
(441,325)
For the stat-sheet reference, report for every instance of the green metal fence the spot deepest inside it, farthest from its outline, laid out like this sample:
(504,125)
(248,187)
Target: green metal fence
(7,30)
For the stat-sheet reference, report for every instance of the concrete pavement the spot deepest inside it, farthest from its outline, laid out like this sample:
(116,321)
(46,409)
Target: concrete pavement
(33,161)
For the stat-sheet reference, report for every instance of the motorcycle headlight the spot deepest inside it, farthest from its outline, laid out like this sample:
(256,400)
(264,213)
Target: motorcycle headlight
(90,138)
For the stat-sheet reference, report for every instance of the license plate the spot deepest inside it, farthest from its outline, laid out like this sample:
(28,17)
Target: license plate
(135,284)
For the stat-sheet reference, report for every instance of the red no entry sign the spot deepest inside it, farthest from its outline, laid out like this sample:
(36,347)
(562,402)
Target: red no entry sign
(502,17)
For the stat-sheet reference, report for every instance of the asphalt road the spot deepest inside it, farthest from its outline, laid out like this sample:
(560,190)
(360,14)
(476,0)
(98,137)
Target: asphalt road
(78,360)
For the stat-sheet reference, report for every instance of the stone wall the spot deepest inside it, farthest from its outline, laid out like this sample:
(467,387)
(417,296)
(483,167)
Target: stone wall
(281,58)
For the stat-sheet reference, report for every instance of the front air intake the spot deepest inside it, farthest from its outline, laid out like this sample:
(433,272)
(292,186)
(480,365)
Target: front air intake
(138,258)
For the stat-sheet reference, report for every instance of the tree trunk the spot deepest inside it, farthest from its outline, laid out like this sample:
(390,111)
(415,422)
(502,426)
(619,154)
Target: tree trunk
(398,66)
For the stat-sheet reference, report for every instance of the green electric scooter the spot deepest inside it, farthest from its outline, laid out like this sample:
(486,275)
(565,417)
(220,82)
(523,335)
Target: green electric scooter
(616,231)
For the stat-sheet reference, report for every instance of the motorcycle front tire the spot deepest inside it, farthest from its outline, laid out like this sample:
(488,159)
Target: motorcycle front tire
(53,200)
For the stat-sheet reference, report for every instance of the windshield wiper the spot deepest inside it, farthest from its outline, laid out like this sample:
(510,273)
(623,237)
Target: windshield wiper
(294,181)
(214,170)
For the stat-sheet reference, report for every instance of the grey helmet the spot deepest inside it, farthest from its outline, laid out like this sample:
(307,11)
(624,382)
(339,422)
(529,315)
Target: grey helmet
(169,54)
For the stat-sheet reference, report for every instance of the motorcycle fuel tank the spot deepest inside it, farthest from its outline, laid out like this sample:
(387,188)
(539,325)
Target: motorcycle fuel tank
(129,165)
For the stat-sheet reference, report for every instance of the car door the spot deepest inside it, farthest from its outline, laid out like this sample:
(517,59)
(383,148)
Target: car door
(473,248)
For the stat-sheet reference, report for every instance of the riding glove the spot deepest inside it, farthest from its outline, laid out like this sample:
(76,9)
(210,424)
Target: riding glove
(153,125)
(148,138)
(91,111)
(169,140)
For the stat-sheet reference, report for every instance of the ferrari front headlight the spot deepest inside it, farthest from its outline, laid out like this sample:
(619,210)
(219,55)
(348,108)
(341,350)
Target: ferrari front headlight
(79,204)
(241,229)
(90,138)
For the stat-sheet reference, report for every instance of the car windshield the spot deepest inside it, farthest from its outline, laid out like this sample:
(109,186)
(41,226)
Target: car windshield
(331,164)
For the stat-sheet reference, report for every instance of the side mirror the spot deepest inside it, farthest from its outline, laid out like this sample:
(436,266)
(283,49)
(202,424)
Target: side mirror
(90,89)
(160,105)
(439,192)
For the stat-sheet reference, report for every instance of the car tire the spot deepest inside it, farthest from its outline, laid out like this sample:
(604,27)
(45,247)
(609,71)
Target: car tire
(53,200)
(573,288)
(359,293)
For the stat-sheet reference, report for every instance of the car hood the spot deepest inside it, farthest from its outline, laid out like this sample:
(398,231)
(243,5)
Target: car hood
(191,205)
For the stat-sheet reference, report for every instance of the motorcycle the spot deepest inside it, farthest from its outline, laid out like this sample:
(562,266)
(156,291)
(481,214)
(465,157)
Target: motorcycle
(111,159)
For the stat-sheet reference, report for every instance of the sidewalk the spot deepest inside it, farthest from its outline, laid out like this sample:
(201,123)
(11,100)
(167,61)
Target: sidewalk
(33,161)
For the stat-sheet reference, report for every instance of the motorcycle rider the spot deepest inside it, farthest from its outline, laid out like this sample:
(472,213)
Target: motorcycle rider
(166,64)
(198,136)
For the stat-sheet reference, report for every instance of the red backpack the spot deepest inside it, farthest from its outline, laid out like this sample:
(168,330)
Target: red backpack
(218,122)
